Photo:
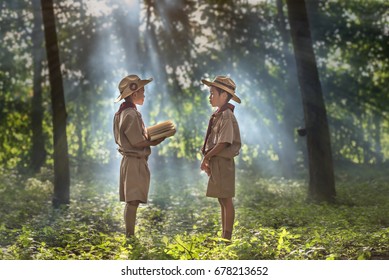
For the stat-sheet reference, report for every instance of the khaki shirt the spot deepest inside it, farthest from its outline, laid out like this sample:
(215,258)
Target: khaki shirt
(128,130)
(225,129)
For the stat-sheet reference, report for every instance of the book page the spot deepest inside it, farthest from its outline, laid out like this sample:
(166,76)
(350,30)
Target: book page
(160,130)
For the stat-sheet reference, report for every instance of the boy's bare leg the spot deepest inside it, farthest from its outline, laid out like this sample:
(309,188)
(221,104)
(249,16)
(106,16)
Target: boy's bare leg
(223,215)
(130,217)
(229,217)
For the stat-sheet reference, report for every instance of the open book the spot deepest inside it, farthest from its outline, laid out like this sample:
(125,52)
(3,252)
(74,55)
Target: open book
(160,130)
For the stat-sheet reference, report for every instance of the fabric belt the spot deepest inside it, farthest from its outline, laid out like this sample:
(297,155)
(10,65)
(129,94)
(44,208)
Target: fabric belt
(125,154)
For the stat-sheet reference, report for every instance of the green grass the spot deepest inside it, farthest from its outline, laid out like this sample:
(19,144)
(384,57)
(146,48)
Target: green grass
(273,220)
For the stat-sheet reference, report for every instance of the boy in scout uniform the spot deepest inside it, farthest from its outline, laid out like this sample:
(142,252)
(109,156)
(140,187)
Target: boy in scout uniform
(222,143)
(133,144)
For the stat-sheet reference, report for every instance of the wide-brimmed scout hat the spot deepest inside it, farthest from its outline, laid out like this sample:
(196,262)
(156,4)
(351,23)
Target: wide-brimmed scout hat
(225,83)
(129,84)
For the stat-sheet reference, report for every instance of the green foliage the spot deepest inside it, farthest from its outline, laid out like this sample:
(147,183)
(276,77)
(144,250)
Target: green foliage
(273,220)
(170,43)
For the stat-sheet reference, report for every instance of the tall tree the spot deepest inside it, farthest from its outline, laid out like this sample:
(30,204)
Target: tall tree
(291,111)
(321,173)
(61,158)
(38,153)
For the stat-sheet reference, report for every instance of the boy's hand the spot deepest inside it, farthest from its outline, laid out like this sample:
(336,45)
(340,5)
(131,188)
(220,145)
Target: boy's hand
(205,166)
(156,142)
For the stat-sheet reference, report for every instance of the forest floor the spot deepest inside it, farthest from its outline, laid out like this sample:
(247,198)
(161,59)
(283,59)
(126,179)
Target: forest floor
(274,220)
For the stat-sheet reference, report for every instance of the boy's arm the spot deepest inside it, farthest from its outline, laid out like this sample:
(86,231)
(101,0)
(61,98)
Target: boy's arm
(147,143)
(217,149)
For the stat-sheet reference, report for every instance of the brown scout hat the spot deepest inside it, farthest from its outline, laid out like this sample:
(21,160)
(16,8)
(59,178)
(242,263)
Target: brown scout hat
(129,84)
(226,84)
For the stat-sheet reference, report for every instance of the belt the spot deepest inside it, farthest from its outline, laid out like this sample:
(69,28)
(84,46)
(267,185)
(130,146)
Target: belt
(126,154)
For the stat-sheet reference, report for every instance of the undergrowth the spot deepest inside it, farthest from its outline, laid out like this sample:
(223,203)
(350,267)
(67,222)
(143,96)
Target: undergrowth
(273,221)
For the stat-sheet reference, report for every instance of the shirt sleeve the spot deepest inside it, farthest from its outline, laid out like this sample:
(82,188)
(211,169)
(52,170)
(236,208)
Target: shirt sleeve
(132,127)
(226,130)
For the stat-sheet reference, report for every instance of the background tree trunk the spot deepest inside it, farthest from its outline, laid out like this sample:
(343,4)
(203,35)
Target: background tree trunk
(61,158)
(321,173)
(292,111)
(38,152)
(377,120)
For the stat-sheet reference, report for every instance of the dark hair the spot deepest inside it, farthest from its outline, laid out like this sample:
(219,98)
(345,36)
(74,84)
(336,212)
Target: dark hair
(220,91)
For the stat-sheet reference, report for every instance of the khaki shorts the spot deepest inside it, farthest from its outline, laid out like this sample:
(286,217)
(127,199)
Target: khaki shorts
(134,179)
(221,183)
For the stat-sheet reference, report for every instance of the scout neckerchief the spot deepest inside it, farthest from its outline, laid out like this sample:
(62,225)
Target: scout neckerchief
(220,110)
(125,105)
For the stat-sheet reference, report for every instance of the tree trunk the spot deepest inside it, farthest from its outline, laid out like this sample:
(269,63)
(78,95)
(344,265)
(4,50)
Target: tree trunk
(38,153)
(377,138)
(292,111)
(321,173)
(61,158)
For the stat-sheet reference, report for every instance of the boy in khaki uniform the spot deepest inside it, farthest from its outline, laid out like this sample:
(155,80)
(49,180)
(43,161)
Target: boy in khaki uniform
(222,143)
(133,144)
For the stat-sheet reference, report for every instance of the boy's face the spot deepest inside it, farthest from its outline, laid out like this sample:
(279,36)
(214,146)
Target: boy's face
(139,96)
(216,99)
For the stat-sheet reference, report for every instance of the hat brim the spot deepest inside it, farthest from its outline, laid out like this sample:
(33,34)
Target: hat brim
(230,91)
(127,92)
